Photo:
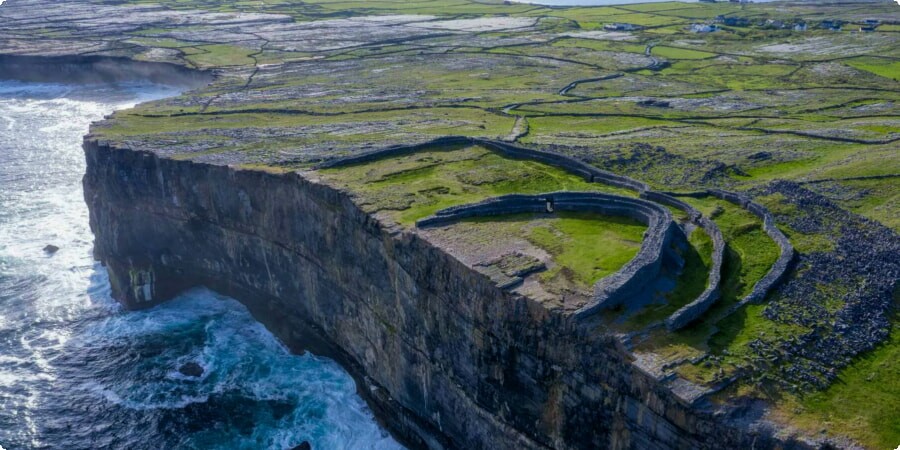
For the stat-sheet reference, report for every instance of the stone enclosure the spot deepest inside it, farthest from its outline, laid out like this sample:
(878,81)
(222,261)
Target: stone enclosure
(651,208)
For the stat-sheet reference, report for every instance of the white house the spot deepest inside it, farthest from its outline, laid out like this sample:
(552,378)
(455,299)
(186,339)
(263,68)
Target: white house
(703,28)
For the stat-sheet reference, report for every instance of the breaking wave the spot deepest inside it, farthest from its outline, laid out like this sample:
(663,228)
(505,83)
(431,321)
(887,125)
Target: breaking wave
(78,372)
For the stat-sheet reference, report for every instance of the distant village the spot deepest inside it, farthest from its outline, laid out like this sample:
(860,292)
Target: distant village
(716,24)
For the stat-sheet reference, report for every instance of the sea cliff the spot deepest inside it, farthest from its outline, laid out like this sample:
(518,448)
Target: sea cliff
(444,357)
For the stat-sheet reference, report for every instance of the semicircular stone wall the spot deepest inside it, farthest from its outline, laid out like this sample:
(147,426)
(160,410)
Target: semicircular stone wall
(651,209)
(614,289)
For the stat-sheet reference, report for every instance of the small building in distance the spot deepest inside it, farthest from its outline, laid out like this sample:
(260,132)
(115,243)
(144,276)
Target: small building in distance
(619,26)
(734,21)
(869,25)
(703,28)
(834,25)
(800,26)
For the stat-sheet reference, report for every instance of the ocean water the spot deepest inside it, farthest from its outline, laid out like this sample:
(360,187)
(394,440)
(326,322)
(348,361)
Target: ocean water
(610,2)
(594,2)
(79,372)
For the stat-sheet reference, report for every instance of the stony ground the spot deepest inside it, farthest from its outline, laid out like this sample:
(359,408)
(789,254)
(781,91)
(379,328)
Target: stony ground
(806,122)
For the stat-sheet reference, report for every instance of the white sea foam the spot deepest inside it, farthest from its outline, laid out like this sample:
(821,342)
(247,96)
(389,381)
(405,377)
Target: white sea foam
(69,345)
(240,358)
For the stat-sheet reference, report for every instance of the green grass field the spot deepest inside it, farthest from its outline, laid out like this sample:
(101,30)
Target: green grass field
(415,186)
(586,246)
(681,53)
(888,68)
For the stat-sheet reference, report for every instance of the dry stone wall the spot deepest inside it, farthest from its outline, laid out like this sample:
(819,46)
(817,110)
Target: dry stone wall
(590,173)
(393,151)
(693,310)
(615,289)
(785,259)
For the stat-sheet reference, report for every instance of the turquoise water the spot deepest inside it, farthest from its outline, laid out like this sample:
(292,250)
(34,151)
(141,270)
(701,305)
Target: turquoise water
(79,372)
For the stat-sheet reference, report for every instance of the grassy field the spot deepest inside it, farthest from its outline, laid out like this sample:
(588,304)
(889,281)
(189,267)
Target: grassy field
(220,56)
(415,186)
(884,67)
(584,247)
(680,53)
(587,249)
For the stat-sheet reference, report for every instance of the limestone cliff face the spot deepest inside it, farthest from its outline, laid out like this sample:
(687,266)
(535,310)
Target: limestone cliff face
(444,357)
